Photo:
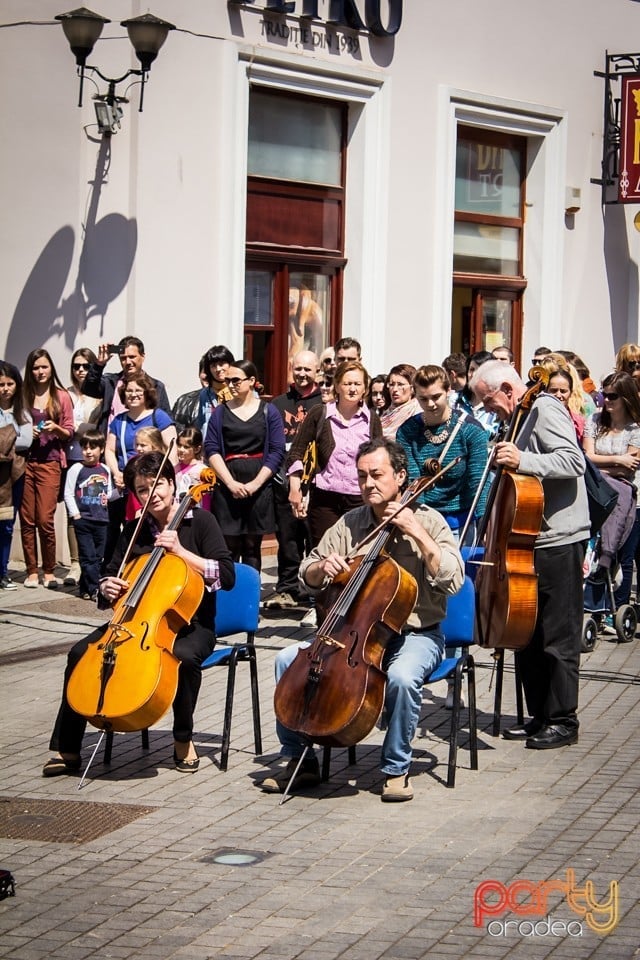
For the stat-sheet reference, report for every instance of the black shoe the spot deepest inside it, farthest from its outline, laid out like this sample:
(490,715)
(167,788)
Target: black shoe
(552,736)
(186,766)
(527,729)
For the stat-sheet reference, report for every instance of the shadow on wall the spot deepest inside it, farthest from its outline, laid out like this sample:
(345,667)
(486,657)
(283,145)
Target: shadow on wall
(106,258)
(622,276)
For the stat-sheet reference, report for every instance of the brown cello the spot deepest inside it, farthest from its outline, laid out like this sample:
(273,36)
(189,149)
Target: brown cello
(333,692)
(128,679)
(506,583)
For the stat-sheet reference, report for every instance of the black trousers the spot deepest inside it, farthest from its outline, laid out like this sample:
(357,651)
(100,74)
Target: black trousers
(326,508)
(293,541)
(549,665)
(191,647)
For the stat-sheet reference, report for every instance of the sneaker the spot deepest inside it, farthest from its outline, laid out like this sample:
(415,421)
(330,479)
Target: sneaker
(448,703)
(310,618)
(6,583)
(308,776)
(281,600)
(397,789)
(72,578)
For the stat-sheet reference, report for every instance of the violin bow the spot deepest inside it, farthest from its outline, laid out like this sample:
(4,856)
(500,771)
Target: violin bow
(422,484)
(144,510)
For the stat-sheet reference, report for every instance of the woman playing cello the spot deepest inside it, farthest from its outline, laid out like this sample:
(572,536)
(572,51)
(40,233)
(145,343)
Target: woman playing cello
(200,544)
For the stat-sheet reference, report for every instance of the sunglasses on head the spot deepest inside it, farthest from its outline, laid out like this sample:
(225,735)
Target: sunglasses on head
(611,396)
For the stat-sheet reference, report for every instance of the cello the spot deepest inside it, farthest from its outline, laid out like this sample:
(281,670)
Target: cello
(333,692)
(506,584)
(128,679)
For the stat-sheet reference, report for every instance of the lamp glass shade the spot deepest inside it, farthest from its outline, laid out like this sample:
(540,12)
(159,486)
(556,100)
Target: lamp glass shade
(147,34)
(82,27)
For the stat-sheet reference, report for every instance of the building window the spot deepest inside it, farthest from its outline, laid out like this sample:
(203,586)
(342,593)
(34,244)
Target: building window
(295,229)
(488,279)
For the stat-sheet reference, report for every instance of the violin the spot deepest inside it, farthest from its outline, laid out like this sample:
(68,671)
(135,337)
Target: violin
(128,679)
(506,584)
(333,692)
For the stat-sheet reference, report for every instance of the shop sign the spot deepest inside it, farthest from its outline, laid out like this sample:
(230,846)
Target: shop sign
(629,180)
(355,14)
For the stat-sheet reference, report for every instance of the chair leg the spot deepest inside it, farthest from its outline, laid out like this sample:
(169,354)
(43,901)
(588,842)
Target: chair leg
(228,709)
(497,703)
(519,701)
(108,747)
(473,717)
(455,722)
(255,699)
(326,763)
(145,738)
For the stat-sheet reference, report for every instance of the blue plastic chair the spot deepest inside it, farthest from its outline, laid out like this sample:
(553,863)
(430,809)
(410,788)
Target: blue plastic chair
(458,628)
(237,612)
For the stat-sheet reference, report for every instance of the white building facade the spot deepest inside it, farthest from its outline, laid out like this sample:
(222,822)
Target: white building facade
(412,174)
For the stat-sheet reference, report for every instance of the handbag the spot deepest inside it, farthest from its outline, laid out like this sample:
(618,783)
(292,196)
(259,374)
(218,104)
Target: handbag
(601,496)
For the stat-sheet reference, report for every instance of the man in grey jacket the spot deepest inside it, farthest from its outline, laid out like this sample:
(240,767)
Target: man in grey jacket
(546,447)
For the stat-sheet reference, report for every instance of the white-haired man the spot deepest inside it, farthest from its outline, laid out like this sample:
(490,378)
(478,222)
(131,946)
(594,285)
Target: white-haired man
(546,447)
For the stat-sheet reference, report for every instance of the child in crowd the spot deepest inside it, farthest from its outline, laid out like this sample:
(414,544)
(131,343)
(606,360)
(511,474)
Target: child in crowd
(190,465)
(88,489)
(147,440)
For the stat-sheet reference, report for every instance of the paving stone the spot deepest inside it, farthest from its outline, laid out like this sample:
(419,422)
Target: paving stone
(346,877)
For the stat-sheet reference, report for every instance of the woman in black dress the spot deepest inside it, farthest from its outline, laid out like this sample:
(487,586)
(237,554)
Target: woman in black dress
(245,446)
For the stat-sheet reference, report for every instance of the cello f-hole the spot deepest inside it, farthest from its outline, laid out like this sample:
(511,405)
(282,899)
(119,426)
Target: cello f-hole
(144,646)
(354,646)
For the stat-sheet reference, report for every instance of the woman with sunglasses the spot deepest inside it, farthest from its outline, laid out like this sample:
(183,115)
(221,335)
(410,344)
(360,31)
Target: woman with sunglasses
(403,403)
(612,443)
(245,446)
(628,361)
(51,411)
(86,412)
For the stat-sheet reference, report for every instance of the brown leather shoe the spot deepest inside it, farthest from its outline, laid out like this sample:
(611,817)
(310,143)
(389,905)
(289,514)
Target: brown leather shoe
(397,789)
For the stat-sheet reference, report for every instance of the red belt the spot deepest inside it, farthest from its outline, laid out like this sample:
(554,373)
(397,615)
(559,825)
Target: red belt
(243,456)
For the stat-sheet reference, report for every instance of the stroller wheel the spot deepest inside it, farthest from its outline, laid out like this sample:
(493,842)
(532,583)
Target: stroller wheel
(626,622)
(589,635)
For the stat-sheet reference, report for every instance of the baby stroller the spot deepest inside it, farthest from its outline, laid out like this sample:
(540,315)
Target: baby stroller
(602,571)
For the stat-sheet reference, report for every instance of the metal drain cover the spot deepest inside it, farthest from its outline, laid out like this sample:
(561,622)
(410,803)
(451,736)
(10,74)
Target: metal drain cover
(63,821)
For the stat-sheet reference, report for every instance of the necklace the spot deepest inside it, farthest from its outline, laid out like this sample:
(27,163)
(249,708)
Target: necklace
(439,438)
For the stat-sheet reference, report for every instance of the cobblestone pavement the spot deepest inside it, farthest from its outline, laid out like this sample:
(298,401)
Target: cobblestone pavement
(338,874)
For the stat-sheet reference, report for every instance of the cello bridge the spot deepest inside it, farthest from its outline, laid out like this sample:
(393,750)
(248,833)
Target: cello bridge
(331,642)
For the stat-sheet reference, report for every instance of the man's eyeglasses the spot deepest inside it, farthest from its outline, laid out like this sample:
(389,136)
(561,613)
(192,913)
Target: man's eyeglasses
(611,396)
(80,366)
(234,381)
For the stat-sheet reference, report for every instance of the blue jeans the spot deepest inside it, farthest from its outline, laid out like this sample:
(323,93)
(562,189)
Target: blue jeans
(408,661)
(92,538)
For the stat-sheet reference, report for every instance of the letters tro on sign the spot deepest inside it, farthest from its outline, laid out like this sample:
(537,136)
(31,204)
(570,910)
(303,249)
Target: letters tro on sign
(354,14)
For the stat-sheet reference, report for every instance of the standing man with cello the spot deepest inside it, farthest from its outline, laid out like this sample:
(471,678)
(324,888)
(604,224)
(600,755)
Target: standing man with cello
(201,546)
(546,447)
(423,545)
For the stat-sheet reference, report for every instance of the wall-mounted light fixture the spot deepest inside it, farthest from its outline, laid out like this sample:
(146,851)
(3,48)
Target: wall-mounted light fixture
(147,33)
